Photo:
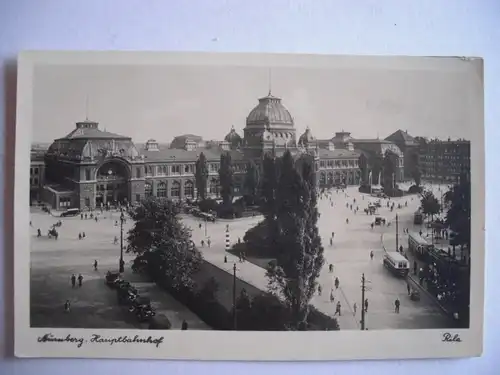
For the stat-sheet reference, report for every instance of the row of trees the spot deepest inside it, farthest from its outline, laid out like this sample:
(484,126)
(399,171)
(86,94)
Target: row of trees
(289,201)
(386,167)
(289,204)
(458,202)
(226,179)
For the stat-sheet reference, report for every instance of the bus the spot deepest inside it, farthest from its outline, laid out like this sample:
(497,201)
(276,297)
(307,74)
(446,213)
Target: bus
(396,264)
(418,245)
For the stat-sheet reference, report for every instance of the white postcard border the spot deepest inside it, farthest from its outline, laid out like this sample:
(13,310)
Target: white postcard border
(230,345)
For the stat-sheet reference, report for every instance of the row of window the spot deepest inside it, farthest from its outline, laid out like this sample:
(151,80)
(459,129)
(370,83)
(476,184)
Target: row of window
(65,202)
(34,171)
(175,189)
(167,170)
(34,181)
(338,163)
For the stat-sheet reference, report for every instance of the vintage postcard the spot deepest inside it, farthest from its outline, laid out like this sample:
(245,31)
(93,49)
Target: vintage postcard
(248,206)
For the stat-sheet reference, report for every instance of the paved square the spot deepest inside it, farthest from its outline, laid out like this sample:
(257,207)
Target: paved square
(350,255)
(94,305)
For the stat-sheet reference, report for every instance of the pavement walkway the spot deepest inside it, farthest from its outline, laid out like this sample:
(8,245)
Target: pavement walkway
(94,305)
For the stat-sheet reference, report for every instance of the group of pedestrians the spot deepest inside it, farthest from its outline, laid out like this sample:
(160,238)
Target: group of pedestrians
(74,279)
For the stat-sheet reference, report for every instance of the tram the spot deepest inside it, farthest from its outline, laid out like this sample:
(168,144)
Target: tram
(419,245)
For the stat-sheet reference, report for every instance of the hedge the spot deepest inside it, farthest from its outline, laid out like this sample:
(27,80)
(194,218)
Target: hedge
(215,307)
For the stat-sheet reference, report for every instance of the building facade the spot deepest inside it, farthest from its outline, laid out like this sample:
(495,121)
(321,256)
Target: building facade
(91,168)
(37,175)
(409,148)
(444,161)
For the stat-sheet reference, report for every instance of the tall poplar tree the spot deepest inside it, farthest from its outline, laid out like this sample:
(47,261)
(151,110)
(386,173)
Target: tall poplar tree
(251,181)
(226,178)
(299,256)
(268,186)
(201,176)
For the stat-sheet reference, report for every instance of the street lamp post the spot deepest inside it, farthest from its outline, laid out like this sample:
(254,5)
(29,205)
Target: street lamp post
(363,302)
(397,233)
(122,263)
(234,297)
(205,227)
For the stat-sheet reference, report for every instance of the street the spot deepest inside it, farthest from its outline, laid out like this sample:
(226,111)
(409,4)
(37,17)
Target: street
(350,255)
(94,305)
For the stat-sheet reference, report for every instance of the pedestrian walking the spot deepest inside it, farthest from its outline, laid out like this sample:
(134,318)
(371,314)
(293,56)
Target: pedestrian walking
(83,234)
(184,325)
(332,296)
(79,236)
(202,243)
(396,306)
(347,221)
(115,241)
(209,242)
(67,306)
(331,241)
(330,268)
(225,258)
(355,308)
(80,280)
(337,309)
(401,249)
(371,255)
(319,290)
(81,216)
(73,280)
(408,288)
(337,283)
(366,305)
(199,226)
(95,265)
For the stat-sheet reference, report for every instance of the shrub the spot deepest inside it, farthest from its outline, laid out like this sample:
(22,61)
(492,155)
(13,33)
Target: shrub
(364,189)
(257,241)
(414,189)
(265,312)
(208,205)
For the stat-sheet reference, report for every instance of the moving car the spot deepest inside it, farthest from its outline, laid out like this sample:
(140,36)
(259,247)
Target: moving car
(71,212)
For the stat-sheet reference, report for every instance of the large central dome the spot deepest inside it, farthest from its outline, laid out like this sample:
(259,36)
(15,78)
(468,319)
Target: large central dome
(270,113)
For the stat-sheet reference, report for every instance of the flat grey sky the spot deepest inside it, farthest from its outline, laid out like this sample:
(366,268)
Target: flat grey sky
(161,102)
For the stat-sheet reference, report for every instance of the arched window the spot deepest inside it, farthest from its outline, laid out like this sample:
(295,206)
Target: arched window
(161,190)
(148,190)
(175,190)
(188,189)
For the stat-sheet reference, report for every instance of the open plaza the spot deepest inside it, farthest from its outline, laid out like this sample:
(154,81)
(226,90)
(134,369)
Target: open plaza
(54,261)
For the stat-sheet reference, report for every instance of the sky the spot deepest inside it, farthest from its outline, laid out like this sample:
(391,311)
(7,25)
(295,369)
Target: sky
(162,102)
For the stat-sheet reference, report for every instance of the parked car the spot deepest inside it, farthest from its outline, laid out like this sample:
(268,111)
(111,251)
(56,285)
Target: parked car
(71,212)
(112,277)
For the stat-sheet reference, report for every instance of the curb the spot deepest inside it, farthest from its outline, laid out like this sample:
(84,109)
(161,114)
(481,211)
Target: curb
(431,297)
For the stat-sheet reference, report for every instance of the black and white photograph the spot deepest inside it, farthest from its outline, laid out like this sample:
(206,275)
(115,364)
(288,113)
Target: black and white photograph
(312,198)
